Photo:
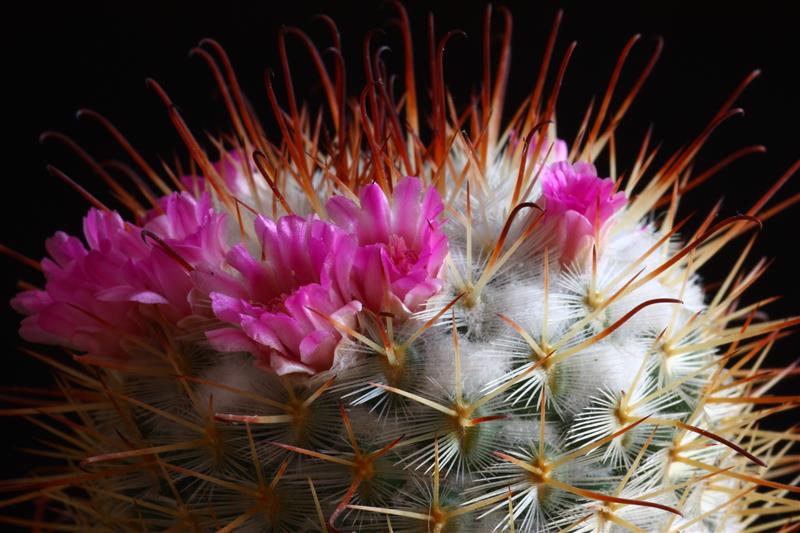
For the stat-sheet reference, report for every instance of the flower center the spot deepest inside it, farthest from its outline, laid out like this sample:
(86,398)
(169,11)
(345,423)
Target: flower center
(403,257)
(276,304)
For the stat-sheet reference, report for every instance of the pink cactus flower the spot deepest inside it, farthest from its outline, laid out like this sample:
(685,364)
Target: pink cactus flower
(286,305)
(553,150)
(101,299)
(231,169)
(559,151)
(572,194)
(402,248)
(91,295)
(190,234)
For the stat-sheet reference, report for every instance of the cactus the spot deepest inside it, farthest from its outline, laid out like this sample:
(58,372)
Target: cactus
(455,329)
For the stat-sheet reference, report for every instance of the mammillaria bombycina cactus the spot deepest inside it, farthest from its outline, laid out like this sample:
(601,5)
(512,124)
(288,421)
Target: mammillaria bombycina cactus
(371,324)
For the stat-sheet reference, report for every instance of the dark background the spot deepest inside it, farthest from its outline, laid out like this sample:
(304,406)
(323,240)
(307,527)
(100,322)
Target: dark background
(63,56)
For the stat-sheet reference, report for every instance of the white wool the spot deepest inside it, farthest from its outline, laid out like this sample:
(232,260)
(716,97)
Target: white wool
(490,204)
(370,429)
(481,363)
(512,292)
(627,245)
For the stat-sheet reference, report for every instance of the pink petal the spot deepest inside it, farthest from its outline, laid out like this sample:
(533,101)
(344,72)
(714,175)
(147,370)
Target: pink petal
(316,349)
(376,214)
(261,332)
(283,365)
(227,308)
(406,207)
(230,340)
(344,213)
(130,294)
(575,233)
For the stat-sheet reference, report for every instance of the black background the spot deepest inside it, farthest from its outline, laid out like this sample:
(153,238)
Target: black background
(59,57)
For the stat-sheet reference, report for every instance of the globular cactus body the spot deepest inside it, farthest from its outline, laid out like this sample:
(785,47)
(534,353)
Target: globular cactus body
(476,334)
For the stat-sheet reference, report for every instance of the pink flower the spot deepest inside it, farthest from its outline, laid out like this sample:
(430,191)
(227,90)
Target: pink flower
(91,296)
(101,297)
(401,246)
(231,168)
(192,227)
(572,195)
(191,231)
(283,303)
(559,151)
